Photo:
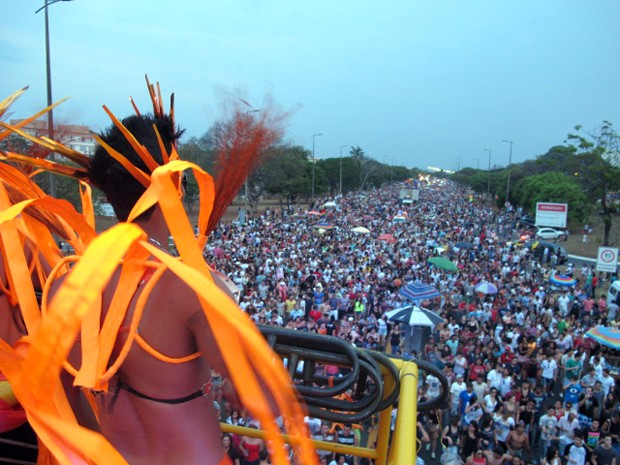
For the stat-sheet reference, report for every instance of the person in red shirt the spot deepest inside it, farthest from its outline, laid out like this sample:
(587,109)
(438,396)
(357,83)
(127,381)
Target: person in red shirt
(315,313)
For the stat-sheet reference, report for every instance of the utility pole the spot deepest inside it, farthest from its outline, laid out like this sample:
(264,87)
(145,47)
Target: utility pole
(488,174)
(314,136)
(340,189)
(509,163)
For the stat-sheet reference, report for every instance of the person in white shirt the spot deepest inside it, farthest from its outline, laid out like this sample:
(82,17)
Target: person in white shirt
(576,452)
(494,377)
(563,302)
(506,383)
(455,391)
(549,369)
(433,387)
(567,425)
(607,381)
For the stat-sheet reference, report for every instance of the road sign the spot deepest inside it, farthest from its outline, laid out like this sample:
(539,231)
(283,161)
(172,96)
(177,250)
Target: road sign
(607,259)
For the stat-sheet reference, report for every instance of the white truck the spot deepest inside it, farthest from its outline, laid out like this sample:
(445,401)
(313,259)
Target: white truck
(408,196)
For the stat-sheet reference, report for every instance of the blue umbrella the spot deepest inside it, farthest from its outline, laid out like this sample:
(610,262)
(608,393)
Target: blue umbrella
(486,288)
(418,291)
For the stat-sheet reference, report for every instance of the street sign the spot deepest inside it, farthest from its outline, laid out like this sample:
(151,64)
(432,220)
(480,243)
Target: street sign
(607,259)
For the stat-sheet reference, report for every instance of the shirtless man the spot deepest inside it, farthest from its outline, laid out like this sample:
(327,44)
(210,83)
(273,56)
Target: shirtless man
(156,412)
(496,456)
(518,441)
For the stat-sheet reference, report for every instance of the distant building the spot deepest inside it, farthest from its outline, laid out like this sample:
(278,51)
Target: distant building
(73,136)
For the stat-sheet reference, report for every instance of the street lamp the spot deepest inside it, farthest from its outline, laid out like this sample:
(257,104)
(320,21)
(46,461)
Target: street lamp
(314,136)
(341,147)
(488,174)
(248,174)
(48,70)
(477,160)
(509,163)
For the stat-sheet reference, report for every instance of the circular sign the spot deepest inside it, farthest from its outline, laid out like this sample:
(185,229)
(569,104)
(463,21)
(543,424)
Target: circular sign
(607,256)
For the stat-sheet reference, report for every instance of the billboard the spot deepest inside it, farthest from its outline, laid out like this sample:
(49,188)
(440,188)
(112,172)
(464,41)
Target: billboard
(552,215)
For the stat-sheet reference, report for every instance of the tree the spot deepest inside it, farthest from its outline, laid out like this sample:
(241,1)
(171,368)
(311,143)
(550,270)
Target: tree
(596,168)
(552,187)
(287,172)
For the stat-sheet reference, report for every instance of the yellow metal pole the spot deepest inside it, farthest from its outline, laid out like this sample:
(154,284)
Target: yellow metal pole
(404,439)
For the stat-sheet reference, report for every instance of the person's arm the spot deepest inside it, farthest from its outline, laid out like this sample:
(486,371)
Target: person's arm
(527,443)
(425,436)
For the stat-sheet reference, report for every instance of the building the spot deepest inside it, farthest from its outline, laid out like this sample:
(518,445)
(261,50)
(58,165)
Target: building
(74,136)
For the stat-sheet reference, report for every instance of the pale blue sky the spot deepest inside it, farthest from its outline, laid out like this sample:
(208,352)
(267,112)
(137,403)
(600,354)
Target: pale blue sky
(411,82)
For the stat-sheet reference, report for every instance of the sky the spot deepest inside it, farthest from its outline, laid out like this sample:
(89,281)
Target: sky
(413,83)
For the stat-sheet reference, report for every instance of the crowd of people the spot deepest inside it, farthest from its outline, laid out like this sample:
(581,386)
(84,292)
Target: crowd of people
(526,386)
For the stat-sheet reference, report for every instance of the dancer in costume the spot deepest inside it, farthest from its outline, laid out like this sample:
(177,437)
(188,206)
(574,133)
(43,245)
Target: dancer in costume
(147,345)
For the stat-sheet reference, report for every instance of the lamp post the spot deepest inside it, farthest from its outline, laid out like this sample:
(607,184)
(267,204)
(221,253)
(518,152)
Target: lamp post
(488,174)
(477,160)
(314,136)
(248,175)
(48,73)
(509,163)
(341,147)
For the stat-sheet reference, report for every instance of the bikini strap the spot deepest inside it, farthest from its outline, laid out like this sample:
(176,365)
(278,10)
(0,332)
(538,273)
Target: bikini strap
(204,390)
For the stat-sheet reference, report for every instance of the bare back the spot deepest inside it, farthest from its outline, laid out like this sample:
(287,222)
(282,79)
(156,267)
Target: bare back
(150,432)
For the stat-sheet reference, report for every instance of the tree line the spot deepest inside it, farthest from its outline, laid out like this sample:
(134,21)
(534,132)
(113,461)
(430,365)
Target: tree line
(584,172)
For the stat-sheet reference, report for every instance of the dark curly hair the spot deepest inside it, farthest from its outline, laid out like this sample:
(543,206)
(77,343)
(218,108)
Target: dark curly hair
(107,174)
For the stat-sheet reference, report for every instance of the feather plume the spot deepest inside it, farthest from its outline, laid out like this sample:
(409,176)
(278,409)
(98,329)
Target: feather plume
(242,147)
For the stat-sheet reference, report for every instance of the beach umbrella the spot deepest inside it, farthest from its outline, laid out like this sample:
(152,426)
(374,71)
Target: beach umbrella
(414,316)
(361,229)
(562,280)
(443,263)
(330,204)
(314,213)
(463,245)
(486,288)
(389,238)
(418,291)
(606,336)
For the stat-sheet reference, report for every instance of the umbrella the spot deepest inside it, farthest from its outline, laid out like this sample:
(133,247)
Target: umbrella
(399,219)
(418,291)
(486,288)
(605,335)
(314,213)
(463,245)
(414,316)
(323,225)
(562,280)
(361,229)
(330,204)
(389,238)
(443,263)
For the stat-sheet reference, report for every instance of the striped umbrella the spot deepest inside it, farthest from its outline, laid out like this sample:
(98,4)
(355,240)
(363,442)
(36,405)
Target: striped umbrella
(562,280)
(418,291)
(414,316)
(605,335)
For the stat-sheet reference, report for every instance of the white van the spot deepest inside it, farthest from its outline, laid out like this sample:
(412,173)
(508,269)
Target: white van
(613,293)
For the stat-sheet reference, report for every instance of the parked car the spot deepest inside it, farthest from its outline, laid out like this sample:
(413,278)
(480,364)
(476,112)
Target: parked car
(554,249)
(549,233)
(526,221)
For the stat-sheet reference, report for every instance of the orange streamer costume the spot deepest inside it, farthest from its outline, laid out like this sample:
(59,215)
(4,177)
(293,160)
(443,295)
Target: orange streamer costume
(258,376)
